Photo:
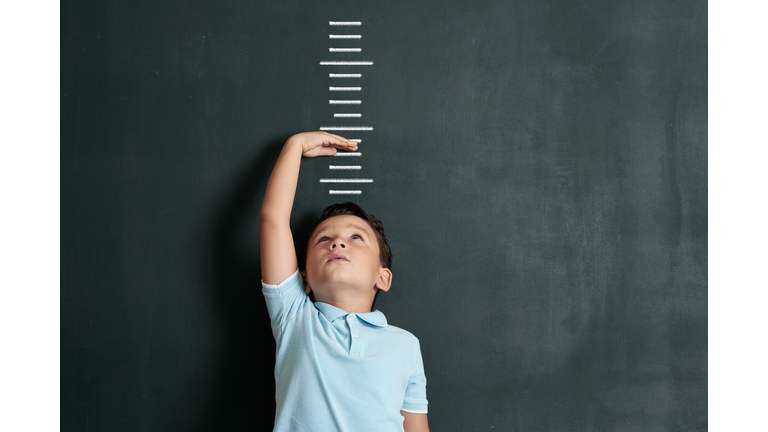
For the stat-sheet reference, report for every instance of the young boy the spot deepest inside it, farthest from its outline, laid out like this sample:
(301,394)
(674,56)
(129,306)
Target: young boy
(339,366)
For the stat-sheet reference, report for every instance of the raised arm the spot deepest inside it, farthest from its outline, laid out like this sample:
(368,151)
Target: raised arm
(278,256)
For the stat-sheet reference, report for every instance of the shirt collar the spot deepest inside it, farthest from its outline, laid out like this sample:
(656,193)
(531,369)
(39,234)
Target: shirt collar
(374,318)
(331,313)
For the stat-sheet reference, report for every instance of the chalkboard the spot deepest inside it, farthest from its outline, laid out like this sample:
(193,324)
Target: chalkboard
(540,169)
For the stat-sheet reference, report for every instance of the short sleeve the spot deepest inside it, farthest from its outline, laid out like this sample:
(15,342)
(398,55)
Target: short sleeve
(284,300)
(415,400)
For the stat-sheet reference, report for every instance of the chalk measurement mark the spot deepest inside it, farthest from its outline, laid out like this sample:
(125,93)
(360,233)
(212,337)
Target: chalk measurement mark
(346,180)
(345,50)
(348,153)
(345,23)
(347,115)
(345,102)
(351,36)
(346,63)
(346,128)
(345,75)
(345,88)
(345,167)
(345,192)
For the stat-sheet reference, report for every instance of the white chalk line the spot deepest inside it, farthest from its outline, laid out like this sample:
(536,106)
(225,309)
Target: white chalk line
(346,128)
(348,153)
(345,23)
(345,88)
(345,167)
(345,192)
(347,115)
(357,140)
(345,102)
(333,36)
(335,63)
(333,75)
(345,50)
(346,180)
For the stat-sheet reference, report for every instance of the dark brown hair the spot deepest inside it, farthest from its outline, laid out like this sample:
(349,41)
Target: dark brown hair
(352,209)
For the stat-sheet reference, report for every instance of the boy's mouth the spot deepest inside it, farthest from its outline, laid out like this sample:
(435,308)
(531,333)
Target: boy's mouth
(337,257)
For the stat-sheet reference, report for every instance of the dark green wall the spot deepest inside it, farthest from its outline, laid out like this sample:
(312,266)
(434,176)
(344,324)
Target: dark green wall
(540,167)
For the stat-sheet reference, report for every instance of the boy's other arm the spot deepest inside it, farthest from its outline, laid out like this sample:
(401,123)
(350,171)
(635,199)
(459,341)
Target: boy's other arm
(415,422)
(278,256)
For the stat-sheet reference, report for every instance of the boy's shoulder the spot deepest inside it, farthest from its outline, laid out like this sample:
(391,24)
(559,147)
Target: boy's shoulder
(402,336)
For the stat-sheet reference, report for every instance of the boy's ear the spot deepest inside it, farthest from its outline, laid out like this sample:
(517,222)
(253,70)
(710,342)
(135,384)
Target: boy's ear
(385,279)
(307,289)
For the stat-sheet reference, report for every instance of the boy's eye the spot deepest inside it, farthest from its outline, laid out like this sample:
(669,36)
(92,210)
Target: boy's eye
(357,236)
(322,239)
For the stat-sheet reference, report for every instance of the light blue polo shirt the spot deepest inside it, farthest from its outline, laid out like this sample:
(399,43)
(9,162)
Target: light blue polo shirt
(336,371)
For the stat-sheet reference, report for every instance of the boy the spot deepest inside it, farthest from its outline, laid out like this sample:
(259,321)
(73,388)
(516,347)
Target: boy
(339,366)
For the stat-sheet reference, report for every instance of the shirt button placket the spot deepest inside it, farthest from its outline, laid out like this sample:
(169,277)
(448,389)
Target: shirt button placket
(354,348)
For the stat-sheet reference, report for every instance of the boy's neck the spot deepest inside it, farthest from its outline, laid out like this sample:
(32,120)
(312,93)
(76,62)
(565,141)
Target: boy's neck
(349,306)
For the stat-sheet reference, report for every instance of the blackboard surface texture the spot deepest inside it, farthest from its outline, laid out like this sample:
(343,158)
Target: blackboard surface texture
(540,168)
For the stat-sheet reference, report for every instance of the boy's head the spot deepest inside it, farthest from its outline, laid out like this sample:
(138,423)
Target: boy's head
(347,256)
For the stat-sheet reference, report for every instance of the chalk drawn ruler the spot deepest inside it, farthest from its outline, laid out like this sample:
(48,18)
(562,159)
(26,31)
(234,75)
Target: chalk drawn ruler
(345,96)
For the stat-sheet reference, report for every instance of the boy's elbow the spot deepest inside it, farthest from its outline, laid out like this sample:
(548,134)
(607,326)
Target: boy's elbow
(271,225)
(268,216)
(265,215)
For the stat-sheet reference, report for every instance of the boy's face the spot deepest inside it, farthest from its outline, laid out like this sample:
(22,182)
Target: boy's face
(343,261)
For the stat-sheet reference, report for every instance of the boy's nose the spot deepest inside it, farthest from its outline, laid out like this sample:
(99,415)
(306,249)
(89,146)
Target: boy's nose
(333,246)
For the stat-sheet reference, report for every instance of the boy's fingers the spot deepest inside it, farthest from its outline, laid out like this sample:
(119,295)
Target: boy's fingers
(341,138)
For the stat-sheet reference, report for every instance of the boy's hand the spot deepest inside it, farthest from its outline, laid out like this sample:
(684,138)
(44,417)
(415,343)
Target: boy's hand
(321,143)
